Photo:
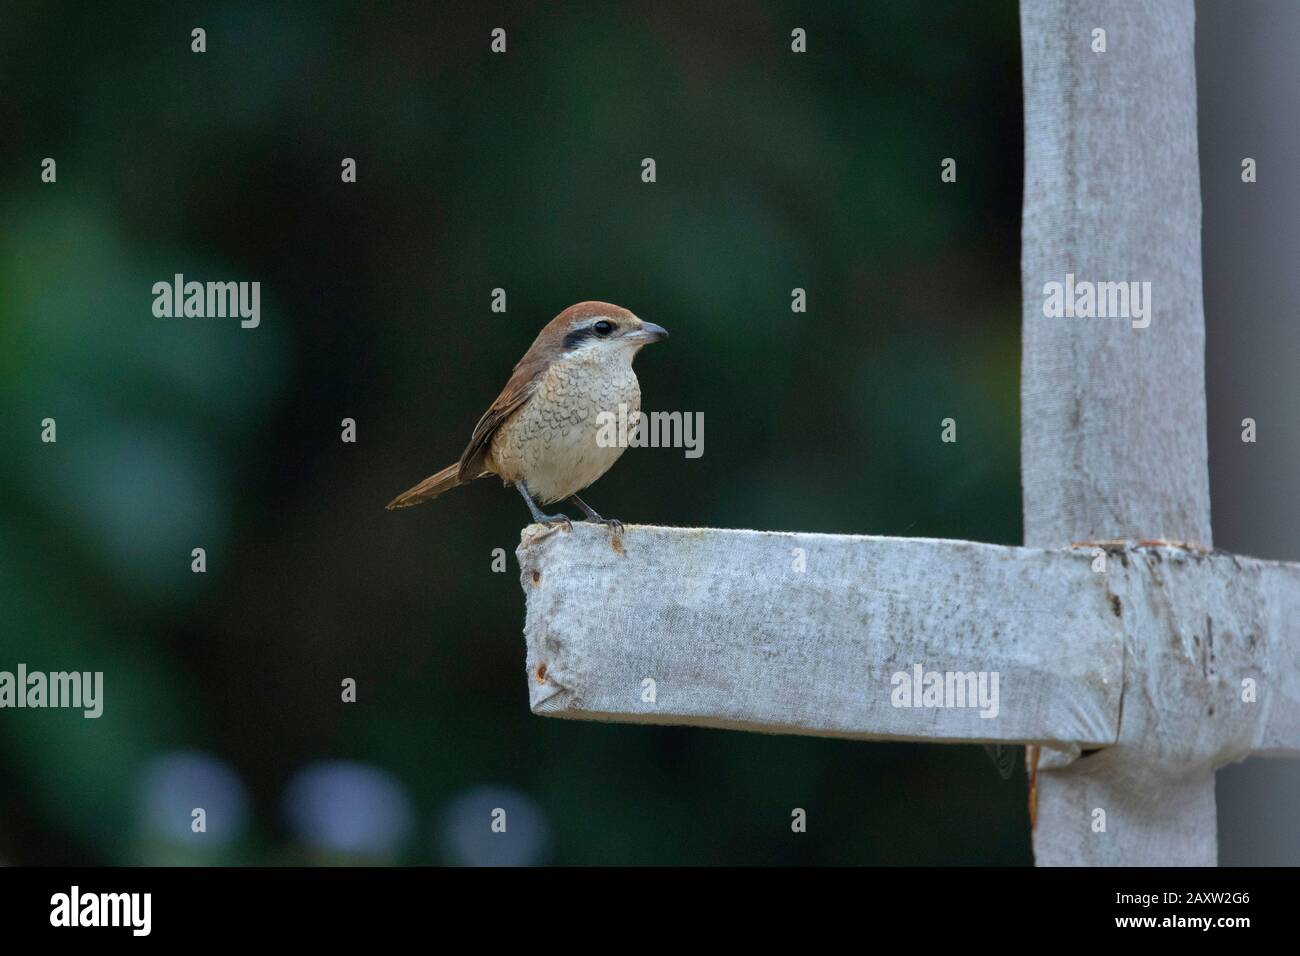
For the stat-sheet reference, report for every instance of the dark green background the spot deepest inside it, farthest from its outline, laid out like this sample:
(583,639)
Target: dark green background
(476,171)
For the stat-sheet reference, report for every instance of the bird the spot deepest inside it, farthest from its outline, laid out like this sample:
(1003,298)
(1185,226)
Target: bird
(541,435)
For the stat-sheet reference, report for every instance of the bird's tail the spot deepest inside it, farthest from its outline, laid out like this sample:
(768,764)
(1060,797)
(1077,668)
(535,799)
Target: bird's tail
(428,489)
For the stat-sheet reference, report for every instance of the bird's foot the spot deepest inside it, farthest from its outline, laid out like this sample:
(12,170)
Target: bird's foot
(613,524)
(545,520)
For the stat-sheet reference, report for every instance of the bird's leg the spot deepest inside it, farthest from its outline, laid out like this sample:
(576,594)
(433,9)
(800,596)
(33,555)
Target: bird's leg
(612,523)
(538,515)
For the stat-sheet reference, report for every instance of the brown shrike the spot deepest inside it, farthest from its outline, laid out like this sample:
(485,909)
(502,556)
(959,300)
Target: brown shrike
(540,435)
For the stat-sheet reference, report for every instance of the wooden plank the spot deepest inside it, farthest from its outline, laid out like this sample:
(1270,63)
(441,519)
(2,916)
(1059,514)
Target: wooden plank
(1113,434)
(1113,415)
(734,635)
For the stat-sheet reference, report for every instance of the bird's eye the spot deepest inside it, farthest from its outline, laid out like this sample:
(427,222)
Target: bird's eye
(603,328)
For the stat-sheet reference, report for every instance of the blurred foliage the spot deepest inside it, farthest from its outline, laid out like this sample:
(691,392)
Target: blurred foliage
(476,171)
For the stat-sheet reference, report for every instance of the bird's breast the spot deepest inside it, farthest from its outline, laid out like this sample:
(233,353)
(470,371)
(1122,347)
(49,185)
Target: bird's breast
(561,440)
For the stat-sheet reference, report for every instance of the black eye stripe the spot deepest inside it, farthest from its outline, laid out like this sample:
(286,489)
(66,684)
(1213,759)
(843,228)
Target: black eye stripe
(577,337)
(596,329)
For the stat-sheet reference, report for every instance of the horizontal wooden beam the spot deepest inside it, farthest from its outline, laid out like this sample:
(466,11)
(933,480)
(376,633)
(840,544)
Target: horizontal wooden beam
(805,634)
(825,634)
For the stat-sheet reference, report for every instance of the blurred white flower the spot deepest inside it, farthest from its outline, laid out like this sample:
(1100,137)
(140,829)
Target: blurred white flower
(175,784)
(465,828)
(346,807)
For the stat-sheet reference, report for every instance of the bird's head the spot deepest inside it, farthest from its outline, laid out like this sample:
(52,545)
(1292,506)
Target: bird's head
(601,329)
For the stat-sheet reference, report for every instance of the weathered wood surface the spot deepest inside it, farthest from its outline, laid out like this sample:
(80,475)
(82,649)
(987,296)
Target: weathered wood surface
(734,636)
(1113,416)
(1113,439)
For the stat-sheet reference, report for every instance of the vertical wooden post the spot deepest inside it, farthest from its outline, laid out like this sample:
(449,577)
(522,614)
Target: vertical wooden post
(1113,415)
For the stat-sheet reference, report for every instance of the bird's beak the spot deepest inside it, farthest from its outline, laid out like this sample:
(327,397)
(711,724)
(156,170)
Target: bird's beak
(649,332)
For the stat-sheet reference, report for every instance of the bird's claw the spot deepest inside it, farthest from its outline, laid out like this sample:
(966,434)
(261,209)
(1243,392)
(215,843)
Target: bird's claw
(613,524)
(553,521)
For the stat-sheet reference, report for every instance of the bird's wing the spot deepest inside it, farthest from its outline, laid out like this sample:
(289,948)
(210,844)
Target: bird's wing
(518,390)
